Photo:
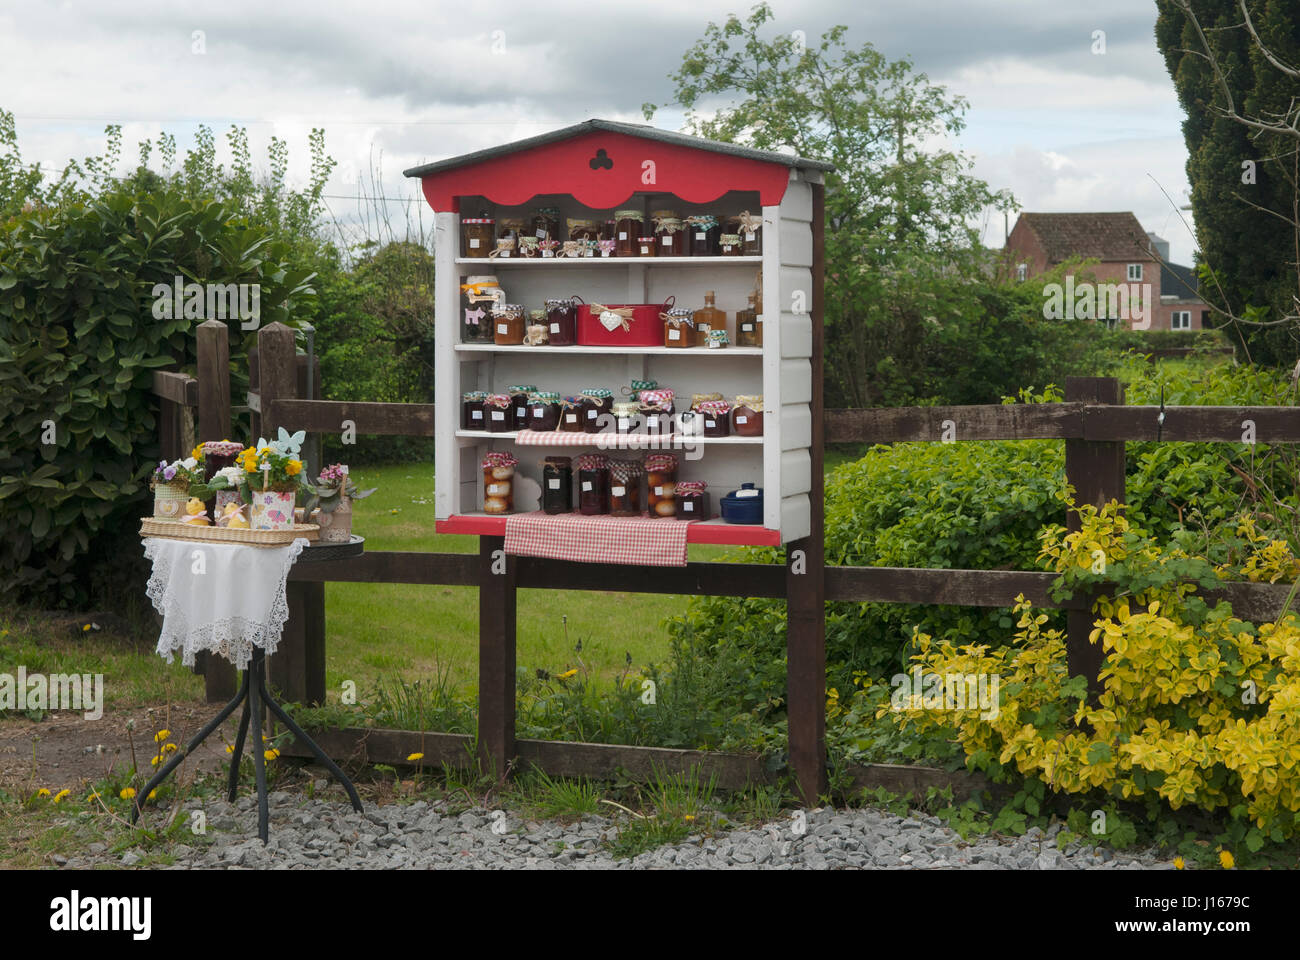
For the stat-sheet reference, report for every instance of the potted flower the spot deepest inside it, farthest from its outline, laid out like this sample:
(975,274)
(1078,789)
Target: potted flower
(334,493)
(171,486)
(270,480)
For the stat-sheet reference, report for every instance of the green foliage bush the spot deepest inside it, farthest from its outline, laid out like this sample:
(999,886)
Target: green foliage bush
(79,343)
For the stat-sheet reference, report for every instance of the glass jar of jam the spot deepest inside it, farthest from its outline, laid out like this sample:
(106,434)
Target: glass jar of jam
(692,500)
(749,331)
(679,328)
(571,415)
(477,237)
(562,320)
(645,247)
(519,393)
(498,482)
(557,485)
(717,339)
(508,324)
(747,416)
(625,488)
(472,416)
(593,484)
(512,227)
(703,231)
(546,223)
(597,402)
(629,227)
(581,228)
(750,229)
(656,407)
(479,295)
(670,238)
(535,334)
(496,410)
(627,417)
(717,418)
(729,245)
(661,484)
(543,411)
(609,230)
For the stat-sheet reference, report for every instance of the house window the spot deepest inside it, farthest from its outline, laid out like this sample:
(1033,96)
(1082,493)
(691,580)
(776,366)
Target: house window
(1180,320)
(1134,272)
(1022,272)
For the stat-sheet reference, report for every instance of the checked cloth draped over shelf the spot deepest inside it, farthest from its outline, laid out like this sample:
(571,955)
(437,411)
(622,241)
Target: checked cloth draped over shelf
(650,541)
(223,598)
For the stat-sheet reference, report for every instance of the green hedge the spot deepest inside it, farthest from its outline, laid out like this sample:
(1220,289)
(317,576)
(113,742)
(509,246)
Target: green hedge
(79,343)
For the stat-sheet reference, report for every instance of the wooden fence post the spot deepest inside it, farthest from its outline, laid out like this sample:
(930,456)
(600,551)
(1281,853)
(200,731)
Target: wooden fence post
(1096,471)
(497,574)
(805,574)
(213,370)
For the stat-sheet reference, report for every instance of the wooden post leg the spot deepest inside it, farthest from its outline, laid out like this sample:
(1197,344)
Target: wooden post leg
(298,667)
(1096,471)
(496,656)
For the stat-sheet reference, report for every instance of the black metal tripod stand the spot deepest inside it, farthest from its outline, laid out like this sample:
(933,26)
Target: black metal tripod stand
(253,695)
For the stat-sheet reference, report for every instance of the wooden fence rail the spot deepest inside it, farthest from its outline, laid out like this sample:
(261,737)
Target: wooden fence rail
(1093,422)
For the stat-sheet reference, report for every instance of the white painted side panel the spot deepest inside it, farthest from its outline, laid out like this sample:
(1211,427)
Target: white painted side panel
(796,472)
(446,321)
(796,516)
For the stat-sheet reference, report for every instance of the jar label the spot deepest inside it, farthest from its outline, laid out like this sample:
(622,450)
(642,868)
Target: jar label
(674,334)
(503,328)
(726,246)
(742,419)
(498,415)
(521,411)
(624,422)
(586,486)
(746,493)
(504,254)
(746,326)
(592,414)
(555,328)
(749,235)
(710,423)
(553,483)
(541,234)
(570,418)
(645,249)
(618,491)
(548,253)
(476,414)
(688,506)
(622,234)
(539,411)
(604,253)
(473,243)
(668,241)
(659,491)
(496,489)
(701,236)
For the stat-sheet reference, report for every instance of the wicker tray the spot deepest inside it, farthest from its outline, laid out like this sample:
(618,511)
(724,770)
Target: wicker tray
(176,530)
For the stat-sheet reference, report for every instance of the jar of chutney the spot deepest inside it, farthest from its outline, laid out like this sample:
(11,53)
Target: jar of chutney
(747,416)
(661,484)
(498,482)
(656,407)
(629,226)
(557,485)
(543,411)
(477,237)
(508,324)
(625,488)
(627,417)
(750,229)
(593,484)
(729,244)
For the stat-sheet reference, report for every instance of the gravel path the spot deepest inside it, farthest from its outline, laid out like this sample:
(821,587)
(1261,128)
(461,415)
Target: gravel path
(325,833)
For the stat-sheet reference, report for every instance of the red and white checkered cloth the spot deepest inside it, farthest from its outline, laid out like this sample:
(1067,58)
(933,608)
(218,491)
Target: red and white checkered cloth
(645,540)
(602,441)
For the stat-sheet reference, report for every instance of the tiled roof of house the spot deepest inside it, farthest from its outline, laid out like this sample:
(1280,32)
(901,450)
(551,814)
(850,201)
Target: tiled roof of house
(1178,281)
(1103,236)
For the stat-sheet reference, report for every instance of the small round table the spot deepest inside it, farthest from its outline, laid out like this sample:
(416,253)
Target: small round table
(253,694)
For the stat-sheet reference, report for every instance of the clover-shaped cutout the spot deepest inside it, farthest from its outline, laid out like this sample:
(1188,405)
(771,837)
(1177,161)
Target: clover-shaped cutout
(601,161)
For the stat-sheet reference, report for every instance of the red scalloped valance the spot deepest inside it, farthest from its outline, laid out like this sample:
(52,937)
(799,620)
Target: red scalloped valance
(602,170)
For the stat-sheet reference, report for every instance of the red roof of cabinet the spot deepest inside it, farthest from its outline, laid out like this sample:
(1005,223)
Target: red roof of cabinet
(602,164)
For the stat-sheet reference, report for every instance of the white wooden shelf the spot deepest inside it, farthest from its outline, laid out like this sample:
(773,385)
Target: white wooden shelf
(615,441)
(535,262)
(613,351)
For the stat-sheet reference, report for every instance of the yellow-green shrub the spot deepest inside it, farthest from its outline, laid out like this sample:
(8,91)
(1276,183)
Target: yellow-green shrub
(1198,708)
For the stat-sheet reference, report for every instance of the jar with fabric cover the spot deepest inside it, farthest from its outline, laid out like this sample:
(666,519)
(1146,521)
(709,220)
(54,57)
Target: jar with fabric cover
(625,488)
(546,223)
(656,408)
(627,416)
(670,237)
(472,416)
(477,236)
(679,327)
(498,482)
(703,231)
(593,484)
(519,403)
(535,334)
(629,226)
(543,411)
(717,417)
(747,415)
(562,320)
(571,415)
(508,324)
(661,484)
(692,500)
(596,402)
(557,485)
(496,410)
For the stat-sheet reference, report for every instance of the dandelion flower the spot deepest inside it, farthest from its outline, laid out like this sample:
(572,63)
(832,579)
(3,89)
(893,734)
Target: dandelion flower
(127,793)
(58,797)
(415,756)
(161,735)
(93,797)
(230,748)
(1179,863)
(1226,860)
(169,748)
(568,673)
(154,761)
(42,792)
(153,793)
(271,754)
(85,628)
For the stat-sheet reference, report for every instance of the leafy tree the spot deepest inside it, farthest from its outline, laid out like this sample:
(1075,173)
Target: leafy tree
(1235,69)
(901,214)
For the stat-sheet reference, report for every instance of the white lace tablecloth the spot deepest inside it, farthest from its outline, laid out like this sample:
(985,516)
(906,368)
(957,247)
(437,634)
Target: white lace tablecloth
(224,598)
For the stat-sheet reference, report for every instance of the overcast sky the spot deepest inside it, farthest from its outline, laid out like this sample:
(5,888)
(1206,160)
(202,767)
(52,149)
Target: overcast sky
(1062,127)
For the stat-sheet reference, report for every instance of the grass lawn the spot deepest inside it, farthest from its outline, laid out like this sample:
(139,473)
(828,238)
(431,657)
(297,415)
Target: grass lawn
(385,629)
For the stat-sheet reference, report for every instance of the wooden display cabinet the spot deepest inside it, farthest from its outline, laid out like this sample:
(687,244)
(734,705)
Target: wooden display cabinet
(588,171)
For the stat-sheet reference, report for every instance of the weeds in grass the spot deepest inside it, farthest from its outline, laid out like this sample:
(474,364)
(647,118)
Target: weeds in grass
(560,798)
(675,806)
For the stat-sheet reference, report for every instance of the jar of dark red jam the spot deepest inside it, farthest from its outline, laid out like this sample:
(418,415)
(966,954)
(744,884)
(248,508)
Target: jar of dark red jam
(656,407)
(747,416)
(670,238)
(593,484)
(519,393)
(496,410)
(543,411)
(562,320)
(717,418)
(546,223)
(571,415)
(629,226)
(750,229)
(596,402)
(472,416)
(692,500)
(557,485)
(702,233)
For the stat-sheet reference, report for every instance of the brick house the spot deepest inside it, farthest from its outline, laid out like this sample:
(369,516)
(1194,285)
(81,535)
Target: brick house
(1129,262)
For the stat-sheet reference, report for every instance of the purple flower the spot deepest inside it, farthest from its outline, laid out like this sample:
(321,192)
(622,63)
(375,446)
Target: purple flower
(169,473)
